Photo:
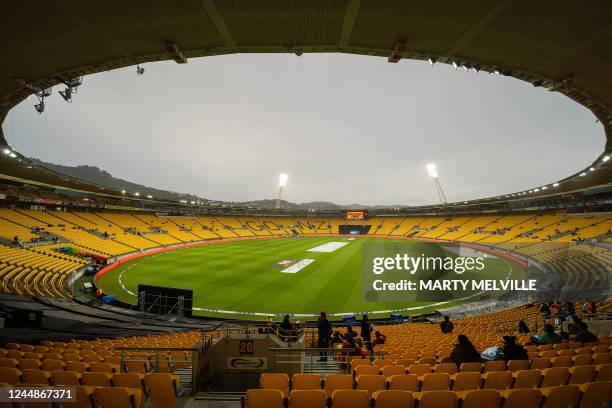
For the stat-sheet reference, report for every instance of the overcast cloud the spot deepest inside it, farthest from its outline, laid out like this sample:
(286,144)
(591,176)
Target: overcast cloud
(347,129)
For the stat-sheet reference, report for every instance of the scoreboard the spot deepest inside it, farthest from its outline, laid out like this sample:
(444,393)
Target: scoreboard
(355,215)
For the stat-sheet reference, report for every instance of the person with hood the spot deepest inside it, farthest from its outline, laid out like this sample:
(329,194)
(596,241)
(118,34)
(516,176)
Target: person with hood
(512,350)
(464,352)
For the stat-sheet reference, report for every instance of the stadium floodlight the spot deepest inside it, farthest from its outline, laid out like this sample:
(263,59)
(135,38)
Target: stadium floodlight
(606,158)
(591,168)
(7,151)
(432,171)
(282,183)
(12,155)
(122,191)
(555,184)
(137,194)
(149,196)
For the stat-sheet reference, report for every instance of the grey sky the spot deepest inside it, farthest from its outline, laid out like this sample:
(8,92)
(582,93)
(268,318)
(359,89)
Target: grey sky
(347,129)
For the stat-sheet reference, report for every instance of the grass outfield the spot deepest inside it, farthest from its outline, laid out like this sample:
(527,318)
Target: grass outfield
(242,276)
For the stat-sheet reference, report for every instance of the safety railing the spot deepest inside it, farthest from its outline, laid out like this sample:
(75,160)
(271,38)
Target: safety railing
(312,359)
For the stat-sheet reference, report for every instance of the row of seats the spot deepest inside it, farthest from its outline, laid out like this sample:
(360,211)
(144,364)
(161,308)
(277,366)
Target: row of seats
(463,381)
(592,395)
(124,390)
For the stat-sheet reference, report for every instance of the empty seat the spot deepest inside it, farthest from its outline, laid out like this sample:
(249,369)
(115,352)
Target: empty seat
(130,380)
(335,382)
(481,399)
(435,381)
(522,398)
(65,378)
(437,399)
(527,379)
(117,397)
(370,383)
(350,399)
(561,361)
(403,382)
(96,379)
(497,365)
(497,380)
(10,376)
(163,389)
(389,370)
(307,399)
(28,364)
(539,363)
(35,376)
(263,399)
(470,367)
(84,398)
(604,372)
(560,396)
(555,376)
(596,395)
(582,374)
(366,369)
(449,368)
(466,381)
(393,399)
(52,365)
(76,366)
(275,381)
(306,382)
(419,369)
(582,359)
(8,362)
(601,358)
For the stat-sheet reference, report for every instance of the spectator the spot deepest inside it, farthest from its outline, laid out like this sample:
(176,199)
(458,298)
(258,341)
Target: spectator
(545,310)
(350,332)
(592,310)
(523,328)
(286,329)
(366,328)
(337,338)
(584,335)
(446,326)
(325,332)
(513,351)
(464,351)
(549,336)
(379,338)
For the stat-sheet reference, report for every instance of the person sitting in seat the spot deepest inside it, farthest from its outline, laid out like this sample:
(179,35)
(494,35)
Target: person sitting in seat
(379,338)
(584,335)
(446,326)
(286,331)
(513,351)
(549,336)
(523,328)
(464,351)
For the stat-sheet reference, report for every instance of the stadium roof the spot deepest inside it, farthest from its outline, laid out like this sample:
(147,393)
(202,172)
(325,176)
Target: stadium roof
(564,45)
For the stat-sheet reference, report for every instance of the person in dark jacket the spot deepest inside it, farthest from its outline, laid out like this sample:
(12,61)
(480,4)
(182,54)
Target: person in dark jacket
(464,352)
(513,351)
(325,332)
(523,328)
(366,328)
(446,326)
(584,335)
(286,329)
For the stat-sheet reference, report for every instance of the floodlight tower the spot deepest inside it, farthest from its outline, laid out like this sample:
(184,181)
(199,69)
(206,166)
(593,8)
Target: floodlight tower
(282,183)
(433,173)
